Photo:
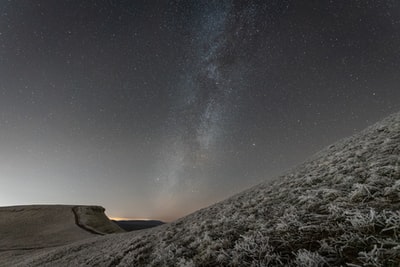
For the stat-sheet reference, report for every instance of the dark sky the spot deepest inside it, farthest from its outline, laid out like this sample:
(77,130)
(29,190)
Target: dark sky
(154,109)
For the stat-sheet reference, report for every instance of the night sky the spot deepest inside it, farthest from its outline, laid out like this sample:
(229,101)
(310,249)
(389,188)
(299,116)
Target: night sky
(154,109)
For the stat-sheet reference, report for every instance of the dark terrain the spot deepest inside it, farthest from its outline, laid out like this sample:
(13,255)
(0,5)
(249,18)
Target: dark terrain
(133,225)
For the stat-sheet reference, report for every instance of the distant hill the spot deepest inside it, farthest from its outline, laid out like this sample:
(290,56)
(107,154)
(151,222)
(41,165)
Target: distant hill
(339,208)
(37,227)
(133,225)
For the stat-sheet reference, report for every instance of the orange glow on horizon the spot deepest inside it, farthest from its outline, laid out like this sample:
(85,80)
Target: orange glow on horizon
(128,219)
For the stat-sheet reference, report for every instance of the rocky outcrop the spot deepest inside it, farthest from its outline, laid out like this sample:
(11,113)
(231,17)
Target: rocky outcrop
(93,219)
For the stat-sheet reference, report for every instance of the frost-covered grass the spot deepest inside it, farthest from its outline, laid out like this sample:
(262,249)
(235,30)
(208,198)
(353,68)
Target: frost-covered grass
(340,208)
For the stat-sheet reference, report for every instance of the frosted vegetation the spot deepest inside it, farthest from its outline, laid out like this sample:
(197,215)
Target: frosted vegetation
(340,208)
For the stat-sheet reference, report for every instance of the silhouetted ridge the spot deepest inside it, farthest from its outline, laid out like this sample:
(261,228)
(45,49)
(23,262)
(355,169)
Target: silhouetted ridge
(133,225)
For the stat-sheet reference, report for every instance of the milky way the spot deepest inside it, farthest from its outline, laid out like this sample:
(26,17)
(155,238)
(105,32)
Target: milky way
(157,108)
(200,101)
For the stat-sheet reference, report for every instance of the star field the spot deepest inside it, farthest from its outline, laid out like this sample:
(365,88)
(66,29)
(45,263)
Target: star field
(154,109)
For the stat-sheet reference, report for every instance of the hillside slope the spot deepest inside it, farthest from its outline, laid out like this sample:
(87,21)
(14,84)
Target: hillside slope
(340,208)
(36,227)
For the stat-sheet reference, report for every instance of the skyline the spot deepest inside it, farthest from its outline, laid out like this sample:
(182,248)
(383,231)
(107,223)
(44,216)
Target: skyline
(155,109)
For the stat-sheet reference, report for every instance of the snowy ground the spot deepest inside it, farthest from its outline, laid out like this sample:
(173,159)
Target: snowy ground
(340,208)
